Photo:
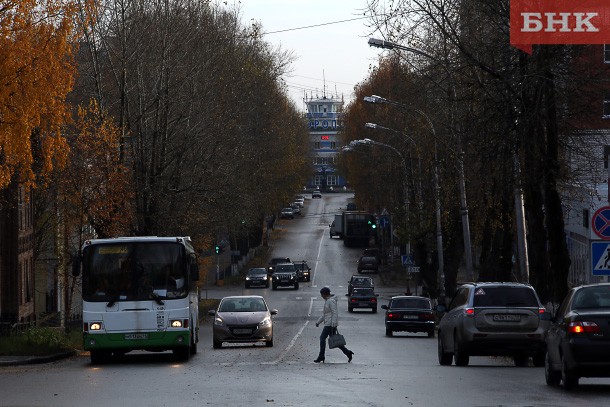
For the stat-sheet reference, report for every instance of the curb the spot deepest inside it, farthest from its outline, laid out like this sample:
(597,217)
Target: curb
(30,360)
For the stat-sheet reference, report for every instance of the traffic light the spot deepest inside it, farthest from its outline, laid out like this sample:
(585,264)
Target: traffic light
(218,248)
(372,224)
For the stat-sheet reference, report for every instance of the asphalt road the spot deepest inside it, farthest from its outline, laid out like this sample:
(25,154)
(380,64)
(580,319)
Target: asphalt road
(399,371)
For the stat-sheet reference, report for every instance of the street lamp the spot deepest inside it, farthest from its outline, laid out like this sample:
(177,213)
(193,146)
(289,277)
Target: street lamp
(373,42)
(368,142)
(439,231)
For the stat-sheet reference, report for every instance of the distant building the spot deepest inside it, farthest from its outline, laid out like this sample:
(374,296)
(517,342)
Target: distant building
(17,288)
(324,122)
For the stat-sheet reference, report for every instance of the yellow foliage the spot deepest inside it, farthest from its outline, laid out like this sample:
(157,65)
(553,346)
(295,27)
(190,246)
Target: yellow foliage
(36,74)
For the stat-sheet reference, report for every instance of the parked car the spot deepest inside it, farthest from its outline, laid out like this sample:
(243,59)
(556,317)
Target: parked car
(284,274)
(409,313)
(578,340)
(303,270)
(287,213)
(362,298)
(274,261)
(296,208)
(316,194)
(493,319)
(257,277)
(300,200)
(359,281)
(368,263)
(242,319)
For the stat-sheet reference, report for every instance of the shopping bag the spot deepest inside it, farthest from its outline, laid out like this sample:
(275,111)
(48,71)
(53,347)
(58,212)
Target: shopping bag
(336,340)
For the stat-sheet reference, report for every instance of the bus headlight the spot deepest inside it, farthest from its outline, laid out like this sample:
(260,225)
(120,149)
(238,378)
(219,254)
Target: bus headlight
(96,326)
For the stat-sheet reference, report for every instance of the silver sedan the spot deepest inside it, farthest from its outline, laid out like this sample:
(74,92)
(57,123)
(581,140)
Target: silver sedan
(242,319)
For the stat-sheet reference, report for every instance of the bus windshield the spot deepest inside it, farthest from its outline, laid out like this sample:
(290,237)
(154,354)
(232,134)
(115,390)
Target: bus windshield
(134,271)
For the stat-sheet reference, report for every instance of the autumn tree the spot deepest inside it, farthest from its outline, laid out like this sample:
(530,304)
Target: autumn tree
(36,72)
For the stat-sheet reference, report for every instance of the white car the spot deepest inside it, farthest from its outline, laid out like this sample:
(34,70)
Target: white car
(316,194)
(300,201)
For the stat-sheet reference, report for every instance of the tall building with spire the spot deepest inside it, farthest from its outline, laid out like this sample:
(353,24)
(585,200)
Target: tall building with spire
(324,121)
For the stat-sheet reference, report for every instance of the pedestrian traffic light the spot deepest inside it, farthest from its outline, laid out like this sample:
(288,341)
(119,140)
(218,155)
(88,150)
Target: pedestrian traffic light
(217,249)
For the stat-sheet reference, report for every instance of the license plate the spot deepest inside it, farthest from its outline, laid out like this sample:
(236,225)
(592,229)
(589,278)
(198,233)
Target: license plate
(410,317)
(136,336)
(507,317)
(242,331)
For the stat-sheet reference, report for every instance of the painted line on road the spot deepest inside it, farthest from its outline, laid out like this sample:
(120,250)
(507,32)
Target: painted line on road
(294,340)
(315,269)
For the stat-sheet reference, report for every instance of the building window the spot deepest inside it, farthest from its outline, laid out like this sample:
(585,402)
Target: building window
(316,145)
(318,180)
(333,145)
(331,180)
(606,107)
(607,53)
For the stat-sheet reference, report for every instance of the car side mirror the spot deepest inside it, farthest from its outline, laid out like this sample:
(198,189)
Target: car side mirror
(273,312)
(347,295)
(384,307)
(212,312)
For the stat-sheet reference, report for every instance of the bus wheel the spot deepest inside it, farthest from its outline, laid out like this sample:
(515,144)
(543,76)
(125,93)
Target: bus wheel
(193,348)
(182,353)
(99,357)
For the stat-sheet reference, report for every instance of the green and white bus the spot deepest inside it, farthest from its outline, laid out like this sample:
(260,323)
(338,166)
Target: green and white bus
(139,293)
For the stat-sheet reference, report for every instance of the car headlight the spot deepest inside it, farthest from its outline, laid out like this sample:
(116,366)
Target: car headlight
(218,321)
(247,278)
(265,322)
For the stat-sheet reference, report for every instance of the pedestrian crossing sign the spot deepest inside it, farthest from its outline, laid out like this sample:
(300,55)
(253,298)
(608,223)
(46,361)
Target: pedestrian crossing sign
(600,258)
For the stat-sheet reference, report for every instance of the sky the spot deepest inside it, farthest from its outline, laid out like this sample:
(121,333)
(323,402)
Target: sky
(334,54)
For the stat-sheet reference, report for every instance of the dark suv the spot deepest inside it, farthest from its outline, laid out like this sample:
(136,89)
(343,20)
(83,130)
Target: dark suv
(274,261)
(284,274)
(303,270)
(493,319)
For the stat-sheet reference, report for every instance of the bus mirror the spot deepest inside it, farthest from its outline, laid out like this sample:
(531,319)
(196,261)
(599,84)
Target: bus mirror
(76,266)
(194,269)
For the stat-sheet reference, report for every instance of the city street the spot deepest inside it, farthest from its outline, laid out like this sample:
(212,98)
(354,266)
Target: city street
(386,371)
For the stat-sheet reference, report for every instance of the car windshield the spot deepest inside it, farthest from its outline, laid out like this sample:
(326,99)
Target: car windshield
(284,268)
(592,297)
(242,305)
(257,272)
(362,281)
(418,303)
(504,297)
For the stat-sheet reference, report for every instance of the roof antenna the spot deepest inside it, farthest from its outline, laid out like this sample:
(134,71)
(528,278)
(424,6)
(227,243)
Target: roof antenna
(324,89)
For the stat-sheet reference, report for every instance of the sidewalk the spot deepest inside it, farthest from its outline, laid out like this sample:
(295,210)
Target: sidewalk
(30,360)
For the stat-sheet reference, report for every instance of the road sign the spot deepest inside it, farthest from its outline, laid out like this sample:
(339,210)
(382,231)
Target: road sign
(407,260)
(600,223)
(384,221)
(413,269)
(600,258)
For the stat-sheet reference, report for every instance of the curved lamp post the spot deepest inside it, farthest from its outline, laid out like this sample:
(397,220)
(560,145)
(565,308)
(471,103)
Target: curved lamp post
(439,230)
(374,42)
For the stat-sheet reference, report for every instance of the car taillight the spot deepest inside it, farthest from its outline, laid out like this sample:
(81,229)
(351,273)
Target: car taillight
(373,299)
(354,300)
(393,316)
(426,316)
(544,316)
(469,312)
(580,327)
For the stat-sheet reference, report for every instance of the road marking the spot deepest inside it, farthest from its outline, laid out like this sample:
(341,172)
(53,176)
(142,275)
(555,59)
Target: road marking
(294,340)
(315,269)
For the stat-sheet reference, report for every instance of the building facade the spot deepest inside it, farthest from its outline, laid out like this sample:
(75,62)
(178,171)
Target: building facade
(324,123)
